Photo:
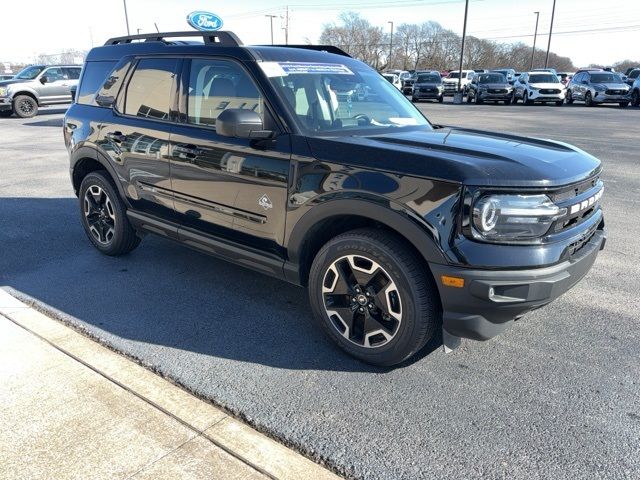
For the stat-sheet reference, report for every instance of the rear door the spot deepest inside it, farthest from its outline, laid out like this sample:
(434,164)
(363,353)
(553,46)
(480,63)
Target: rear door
(228,187)
(136,134)
(72,75)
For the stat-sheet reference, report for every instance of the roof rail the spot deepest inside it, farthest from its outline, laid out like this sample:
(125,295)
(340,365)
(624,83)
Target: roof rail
(318,48)
(221,38)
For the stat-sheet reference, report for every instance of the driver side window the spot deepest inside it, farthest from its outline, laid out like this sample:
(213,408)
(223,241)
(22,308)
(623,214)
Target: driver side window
(53,74)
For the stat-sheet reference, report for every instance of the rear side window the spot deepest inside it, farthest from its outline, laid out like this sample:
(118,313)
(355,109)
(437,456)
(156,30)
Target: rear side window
(214,86)
(150,90)
(92,79)
(71,73)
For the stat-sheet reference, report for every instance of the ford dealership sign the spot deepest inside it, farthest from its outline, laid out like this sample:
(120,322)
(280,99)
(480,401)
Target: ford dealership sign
(205,21)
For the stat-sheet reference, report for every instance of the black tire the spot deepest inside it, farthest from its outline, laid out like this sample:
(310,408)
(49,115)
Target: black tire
(635,98)
(441,98)
(469,98)
(569,97)
(415,293)
(6,113)
(624,104)
(514,99)
(123,237)
(25,106)
(414,100)
(508,102)
(588,101)
(525,99)
(559,103)
(477,100)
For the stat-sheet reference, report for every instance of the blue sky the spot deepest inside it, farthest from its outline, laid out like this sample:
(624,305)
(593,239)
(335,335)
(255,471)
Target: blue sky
(587,30)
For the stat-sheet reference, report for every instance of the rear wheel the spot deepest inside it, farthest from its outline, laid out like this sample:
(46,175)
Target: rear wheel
(104,216)
(25,106)
(525,99)
(372,296)
(635,98)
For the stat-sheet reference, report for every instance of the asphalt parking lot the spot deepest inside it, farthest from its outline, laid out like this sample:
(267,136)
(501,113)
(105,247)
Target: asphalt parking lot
(556,396)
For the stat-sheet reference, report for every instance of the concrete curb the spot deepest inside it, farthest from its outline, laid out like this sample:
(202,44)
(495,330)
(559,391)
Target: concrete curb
(236,438)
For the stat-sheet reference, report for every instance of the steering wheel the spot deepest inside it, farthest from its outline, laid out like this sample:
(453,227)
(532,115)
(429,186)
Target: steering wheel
(362,119)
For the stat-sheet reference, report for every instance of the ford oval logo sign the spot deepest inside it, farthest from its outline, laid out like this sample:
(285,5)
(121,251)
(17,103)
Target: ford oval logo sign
(205,21)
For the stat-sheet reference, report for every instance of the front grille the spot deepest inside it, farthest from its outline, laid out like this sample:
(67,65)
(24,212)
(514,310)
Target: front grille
(615,92)
(451,86)
(497,90)
(428,90)
(574,190)
(549,91)
(581,201)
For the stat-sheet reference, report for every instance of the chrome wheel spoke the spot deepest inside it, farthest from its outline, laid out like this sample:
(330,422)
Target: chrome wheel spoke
(100,214)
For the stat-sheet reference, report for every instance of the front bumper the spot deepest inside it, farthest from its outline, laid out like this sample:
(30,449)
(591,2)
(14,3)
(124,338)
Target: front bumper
(432,94)
(491,300)
(537,96)
(601,97)
(489,96)
(5,103)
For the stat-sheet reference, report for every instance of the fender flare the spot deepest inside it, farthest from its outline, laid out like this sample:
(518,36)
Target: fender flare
(92,153)
(407,224)
(26,91)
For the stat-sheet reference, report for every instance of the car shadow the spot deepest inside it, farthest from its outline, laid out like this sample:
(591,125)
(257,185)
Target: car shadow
(51,122)
(161,294)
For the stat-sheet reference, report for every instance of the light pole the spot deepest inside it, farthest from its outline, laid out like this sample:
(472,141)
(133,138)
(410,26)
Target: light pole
(390,45)
(271,17)
(553,12)
(457,98)
(535,35)
(126,16)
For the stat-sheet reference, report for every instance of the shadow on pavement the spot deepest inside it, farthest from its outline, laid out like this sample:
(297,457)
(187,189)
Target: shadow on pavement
(162,293)
(52,122)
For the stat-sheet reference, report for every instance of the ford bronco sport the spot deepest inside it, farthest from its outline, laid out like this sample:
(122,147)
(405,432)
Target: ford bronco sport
(263,156)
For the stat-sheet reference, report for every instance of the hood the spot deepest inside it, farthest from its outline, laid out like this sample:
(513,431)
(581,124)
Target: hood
(466,156)
(453,80)
(557,86)
(4,83)
(613,86)
(428,84)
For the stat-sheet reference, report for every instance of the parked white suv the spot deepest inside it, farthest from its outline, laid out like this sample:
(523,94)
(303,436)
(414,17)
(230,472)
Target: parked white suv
(535,86)
(451,82)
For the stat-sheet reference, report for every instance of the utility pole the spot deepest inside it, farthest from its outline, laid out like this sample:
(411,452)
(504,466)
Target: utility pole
(553,12)
(535,35)
(390,45)
(271,17)
(458,96)
(286,27)
(126,16)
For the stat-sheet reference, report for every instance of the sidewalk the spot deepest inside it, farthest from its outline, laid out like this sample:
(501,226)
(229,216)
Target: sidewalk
(71,408)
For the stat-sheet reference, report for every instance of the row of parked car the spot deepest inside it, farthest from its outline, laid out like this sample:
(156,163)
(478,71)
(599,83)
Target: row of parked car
(591,86)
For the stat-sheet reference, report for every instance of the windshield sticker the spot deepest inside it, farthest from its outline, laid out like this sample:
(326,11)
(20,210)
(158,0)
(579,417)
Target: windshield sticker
(281,69)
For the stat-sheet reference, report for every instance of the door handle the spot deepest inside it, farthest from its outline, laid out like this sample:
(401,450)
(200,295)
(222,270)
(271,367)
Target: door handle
(187,151)
(117,137)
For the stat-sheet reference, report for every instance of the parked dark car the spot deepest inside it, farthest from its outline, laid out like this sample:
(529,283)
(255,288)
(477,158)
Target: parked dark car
(632,76)
(428,86)
(598,87)
(489,87)
(397,227)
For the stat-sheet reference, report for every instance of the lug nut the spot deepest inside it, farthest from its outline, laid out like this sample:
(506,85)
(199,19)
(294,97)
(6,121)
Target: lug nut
(370,305)
(361,309)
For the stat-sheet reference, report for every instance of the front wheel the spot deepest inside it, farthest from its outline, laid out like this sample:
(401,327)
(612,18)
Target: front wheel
(25,106)
(588,101)
(525,99)
(624,104)
(441,98)
(559,103)
(104,216)
(372,296)
(569,97)
(635,98)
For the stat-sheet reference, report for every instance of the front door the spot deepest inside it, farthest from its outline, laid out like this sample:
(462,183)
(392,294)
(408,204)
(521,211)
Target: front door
(56,87)
(136,135)
(228,187)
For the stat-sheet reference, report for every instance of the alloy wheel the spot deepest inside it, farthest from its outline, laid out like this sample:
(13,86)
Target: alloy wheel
(100,214)
(26,106)
(362,301)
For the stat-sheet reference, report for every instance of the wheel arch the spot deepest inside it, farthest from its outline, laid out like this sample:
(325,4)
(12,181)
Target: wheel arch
(85,160)
(325,221)
(27,93)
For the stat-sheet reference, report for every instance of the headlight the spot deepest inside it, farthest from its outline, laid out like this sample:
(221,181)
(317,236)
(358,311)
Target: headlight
(533,88)
(514,217)
(440,87)
(3,91)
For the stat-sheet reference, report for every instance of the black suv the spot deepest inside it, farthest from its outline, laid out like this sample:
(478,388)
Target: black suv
(397,227)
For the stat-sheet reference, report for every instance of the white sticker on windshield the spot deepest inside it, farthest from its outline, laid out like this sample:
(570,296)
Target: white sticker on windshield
(282,69)
(272,69)
(403,121)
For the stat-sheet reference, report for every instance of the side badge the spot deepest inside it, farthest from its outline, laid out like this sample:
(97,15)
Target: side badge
(265,202)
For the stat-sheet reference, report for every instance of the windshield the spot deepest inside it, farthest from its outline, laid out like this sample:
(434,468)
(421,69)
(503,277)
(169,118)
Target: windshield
(491,78)
(390,78)
(453,75)
(29,73)
(335,98)
(429,78)
(543,78)
(605,78)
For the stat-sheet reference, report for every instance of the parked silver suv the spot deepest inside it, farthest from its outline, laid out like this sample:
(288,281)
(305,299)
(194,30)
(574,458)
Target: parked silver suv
(35,86)
(595,87)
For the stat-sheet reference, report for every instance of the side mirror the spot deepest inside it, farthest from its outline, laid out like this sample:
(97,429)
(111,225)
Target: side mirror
(43,79)
(241,123)
(584,82)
